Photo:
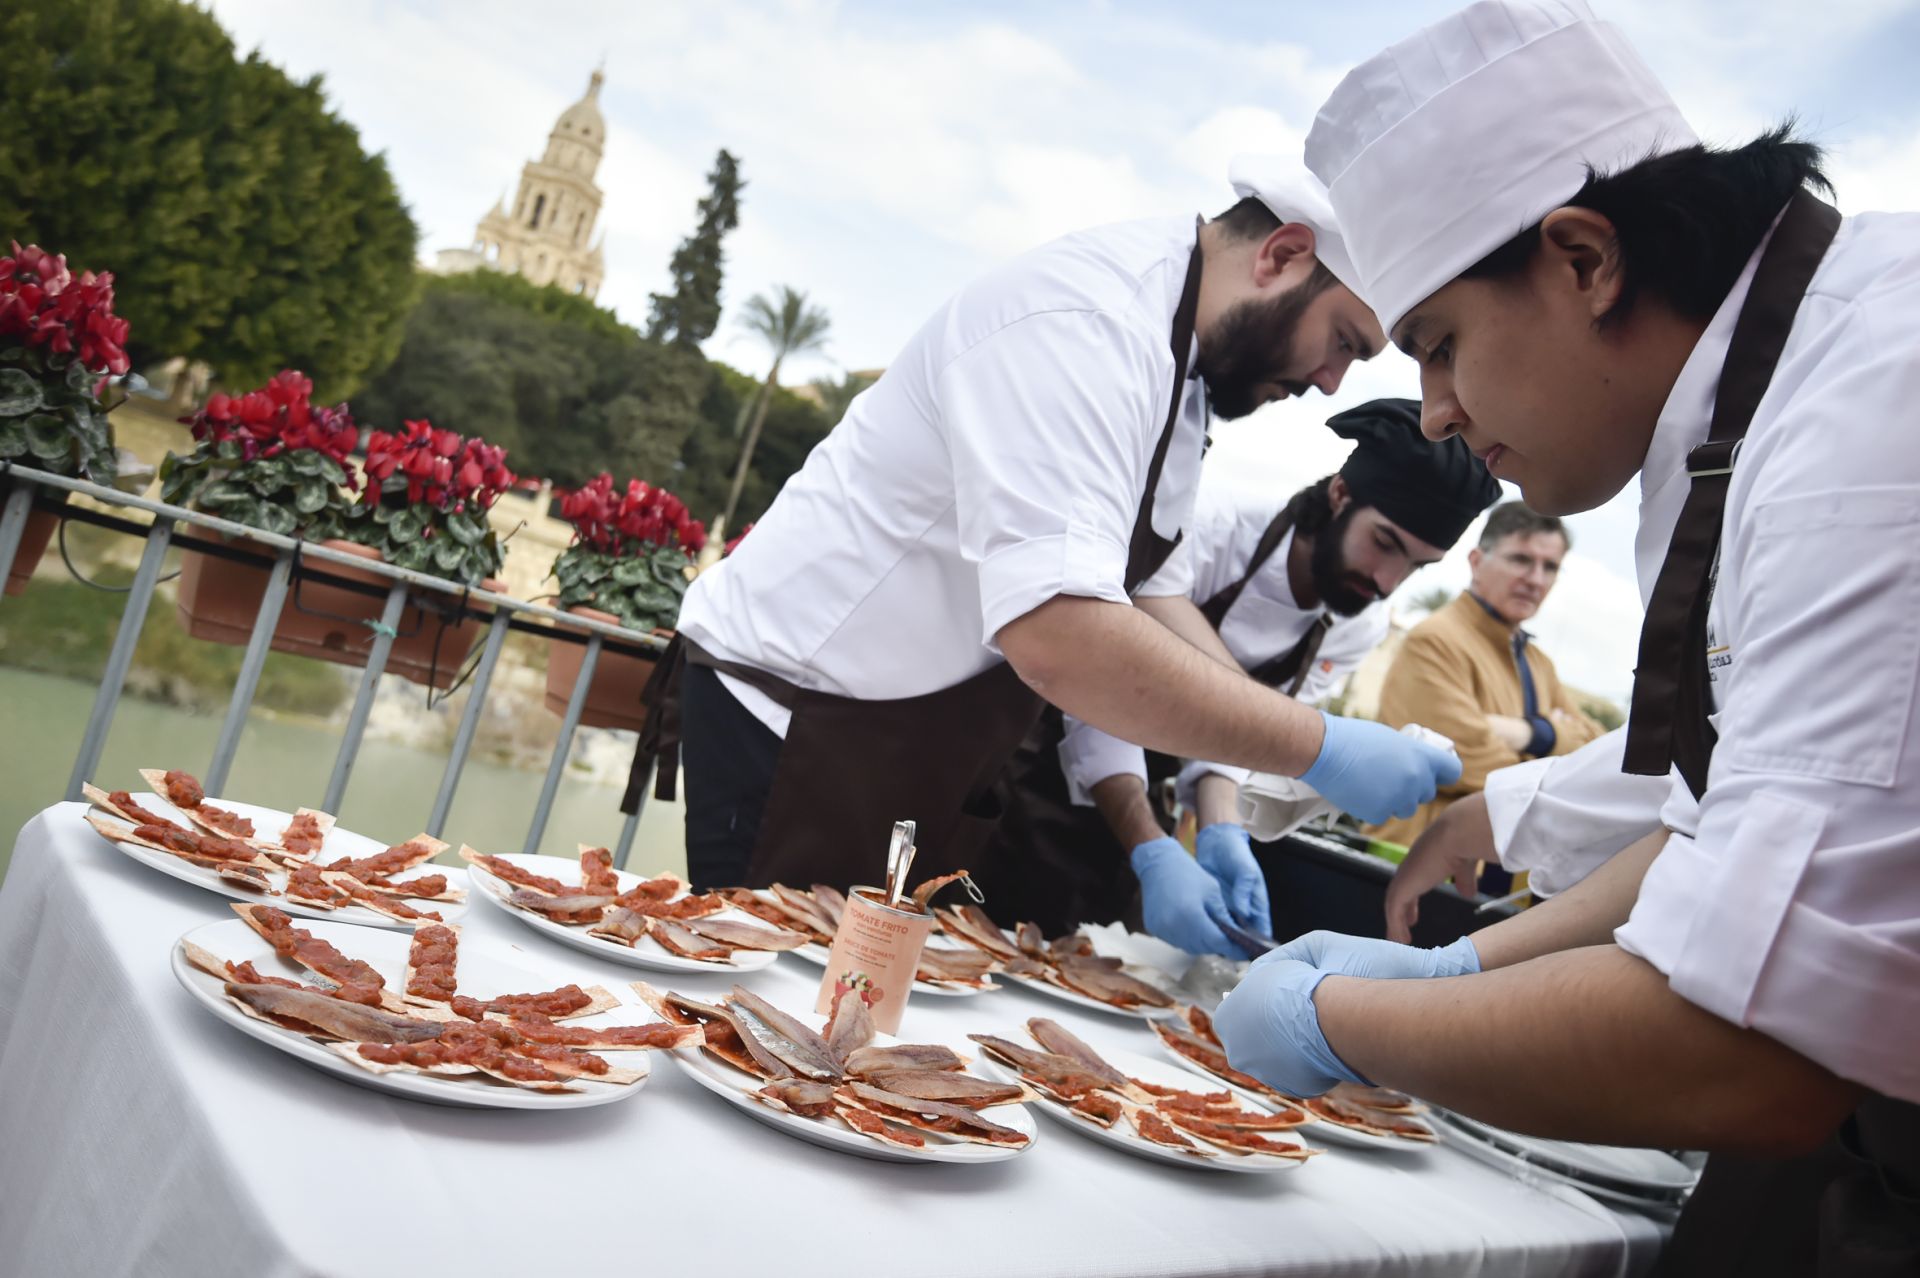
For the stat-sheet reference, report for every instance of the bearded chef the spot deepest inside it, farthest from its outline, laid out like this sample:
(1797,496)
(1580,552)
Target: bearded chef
(961,549)
(1745,979)
(1292,593)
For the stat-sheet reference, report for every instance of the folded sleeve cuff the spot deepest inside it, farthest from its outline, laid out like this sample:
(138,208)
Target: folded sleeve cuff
(1089,756)
(1018,578)
(1187,783)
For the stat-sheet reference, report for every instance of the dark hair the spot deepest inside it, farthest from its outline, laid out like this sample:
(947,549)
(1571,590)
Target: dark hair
(1250,219)
(1684,223)
(1512,518)
(1312,507)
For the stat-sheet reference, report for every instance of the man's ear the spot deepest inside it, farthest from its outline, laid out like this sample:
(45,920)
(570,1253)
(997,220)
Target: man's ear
(1338,494)
(1473,559)
(1289,245)
(1578,251)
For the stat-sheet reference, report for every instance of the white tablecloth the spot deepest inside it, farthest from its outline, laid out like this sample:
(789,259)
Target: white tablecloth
(138,1135)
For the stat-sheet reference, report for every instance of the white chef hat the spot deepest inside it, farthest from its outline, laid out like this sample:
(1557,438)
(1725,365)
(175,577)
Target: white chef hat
(1295,195)
(1445,146)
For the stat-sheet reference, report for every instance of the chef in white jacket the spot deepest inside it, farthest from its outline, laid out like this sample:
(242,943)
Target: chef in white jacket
(1292,592)
(1746,979)
(960,551)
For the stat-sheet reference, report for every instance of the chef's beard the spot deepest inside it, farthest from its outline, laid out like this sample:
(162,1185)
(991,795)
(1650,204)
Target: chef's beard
(1250,346)
(1343,591)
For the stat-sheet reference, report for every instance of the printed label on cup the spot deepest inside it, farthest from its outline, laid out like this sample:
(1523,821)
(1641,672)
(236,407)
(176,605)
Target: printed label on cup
(876,952)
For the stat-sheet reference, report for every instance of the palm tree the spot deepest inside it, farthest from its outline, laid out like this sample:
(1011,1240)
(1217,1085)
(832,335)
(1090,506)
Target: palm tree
(1430,600)
(789,326)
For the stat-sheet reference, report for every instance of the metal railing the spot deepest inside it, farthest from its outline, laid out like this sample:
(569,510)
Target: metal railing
(288,559)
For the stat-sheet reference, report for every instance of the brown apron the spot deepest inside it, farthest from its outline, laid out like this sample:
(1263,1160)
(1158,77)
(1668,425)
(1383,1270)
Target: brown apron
(850,768)
(1851,1208)
(1056,862)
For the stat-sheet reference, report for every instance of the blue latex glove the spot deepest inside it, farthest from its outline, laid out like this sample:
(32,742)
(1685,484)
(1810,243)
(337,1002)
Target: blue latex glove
(1375,773)
(1335,953)
(1225,851)
(1271,1029)
(1182,903)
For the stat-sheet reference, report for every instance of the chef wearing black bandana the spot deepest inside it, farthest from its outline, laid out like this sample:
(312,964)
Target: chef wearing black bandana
(1293,593)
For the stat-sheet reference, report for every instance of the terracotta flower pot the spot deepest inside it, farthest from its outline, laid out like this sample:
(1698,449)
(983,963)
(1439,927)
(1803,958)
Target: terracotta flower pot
(614,699)
(33,544)
(219,599)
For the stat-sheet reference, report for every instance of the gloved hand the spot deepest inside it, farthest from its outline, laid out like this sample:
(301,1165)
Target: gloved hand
(1372,771)
(1182,903)
(1225,851)
(1271,1029)
(1336,953)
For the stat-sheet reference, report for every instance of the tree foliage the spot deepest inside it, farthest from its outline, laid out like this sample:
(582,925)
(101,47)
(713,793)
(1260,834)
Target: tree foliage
(569,391)
(687,315)
(244,224)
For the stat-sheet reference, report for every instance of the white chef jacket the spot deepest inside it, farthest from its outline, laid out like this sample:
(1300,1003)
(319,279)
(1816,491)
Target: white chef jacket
(999,462)
(1264,622)
(1561,816)
(1789,899)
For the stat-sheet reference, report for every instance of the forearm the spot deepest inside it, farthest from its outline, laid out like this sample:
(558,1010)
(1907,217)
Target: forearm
(1122,802)
(1216,800)
(1590,1045)
(1584,915)
(1117,668)
(1178,614)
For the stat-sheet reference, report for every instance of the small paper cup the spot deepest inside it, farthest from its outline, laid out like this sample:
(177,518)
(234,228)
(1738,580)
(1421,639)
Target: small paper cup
(876,952)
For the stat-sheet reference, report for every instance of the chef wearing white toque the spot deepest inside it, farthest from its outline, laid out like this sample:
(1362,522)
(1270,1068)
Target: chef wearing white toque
(1591,295)
(963,547)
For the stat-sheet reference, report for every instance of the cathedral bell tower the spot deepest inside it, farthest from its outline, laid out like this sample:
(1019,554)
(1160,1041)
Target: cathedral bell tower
(547,234)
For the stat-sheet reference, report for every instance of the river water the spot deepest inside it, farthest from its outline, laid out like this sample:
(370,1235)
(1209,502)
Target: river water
(286,765)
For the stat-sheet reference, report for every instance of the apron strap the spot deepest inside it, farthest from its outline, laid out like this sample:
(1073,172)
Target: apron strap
(1668,725)
(1215,609)
(1147,550)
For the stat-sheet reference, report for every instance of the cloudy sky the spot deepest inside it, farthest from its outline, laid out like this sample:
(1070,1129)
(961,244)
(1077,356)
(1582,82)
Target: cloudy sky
(892,151)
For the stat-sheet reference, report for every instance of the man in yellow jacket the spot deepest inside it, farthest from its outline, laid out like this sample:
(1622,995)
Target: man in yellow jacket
(1469,671)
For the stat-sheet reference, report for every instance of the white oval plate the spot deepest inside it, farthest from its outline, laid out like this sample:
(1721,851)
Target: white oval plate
(646,952)
(485,970)
(1122,1136)
(1078,999)
(1618,1172)
(267,824)
(1338,1133)
(736,1087)
(818,954)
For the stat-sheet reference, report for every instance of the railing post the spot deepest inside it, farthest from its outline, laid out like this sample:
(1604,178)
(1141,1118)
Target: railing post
(248,683)
(469,722)
(564,745)
(132,618)
(13,523)
(631,827)
(383,635)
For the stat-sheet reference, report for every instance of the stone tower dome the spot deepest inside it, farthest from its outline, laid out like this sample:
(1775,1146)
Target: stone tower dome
(547,234)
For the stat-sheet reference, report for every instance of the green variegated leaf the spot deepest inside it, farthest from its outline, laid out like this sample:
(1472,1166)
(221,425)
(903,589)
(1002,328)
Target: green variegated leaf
(228,450)
(13,437)
(466,530)
(19,393)
(330,470)
(273,518)
(415,556)
(48,438)
(266,477)
(310,494)
(80,378)
(448,555)
(222,493)
(305,461)
(630,572)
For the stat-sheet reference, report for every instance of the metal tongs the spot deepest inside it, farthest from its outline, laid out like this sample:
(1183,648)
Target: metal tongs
(900,854)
